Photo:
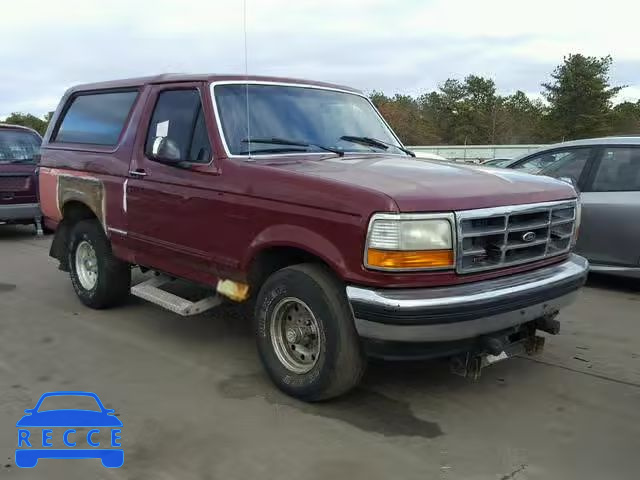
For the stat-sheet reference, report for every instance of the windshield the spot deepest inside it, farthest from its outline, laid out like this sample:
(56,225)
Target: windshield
(306,115)
(18,146)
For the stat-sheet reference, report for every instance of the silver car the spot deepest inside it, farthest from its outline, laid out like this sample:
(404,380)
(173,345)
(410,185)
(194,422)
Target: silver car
(607,173)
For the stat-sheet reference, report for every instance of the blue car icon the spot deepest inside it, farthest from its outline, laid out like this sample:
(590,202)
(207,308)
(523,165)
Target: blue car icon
(28,456)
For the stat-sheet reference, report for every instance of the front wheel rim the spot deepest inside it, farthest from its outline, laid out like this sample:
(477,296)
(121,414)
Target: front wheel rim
(295,335)
(86,265)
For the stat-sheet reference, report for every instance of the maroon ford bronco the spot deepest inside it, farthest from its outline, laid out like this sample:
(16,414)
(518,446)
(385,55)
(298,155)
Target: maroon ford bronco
(297,198)
(19,148)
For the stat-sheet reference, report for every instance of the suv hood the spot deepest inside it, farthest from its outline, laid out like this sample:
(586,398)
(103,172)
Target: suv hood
(424,185)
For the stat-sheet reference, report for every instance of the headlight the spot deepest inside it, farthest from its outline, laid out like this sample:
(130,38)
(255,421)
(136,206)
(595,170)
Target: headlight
(410,242)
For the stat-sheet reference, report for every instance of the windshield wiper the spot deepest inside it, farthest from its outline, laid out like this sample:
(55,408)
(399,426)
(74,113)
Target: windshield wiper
(272,150)
(374,142)
(293,143)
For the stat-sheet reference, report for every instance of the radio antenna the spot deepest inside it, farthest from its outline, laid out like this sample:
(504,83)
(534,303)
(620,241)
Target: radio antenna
(246,73)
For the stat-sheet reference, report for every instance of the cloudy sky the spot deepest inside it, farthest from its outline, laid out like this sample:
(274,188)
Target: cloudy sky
(402,46)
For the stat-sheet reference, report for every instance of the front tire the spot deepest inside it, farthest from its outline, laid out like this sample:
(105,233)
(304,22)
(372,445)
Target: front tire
(99,279)
(305,333)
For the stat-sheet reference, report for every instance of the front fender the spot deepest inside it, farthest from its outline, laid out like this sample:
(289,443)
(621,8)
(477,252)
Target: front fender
(297,237)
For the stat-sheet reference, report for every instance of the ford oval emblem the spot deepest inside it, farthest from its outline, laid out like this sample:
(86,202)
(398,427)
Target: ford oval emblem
(528,237)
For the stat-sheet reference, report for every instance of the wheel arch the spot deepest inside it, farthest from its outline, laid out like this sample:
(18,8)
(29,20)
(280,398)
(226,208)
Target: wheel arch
(283,246)
(72,211)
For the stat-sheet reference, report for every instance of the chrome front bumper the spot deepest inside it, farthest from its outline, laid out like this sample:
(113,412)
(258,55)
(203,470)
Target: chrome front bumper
(465,311)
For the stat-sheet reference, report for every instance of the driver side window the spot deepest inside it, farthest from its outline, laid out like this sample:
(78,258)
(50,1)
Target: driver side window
(177,130)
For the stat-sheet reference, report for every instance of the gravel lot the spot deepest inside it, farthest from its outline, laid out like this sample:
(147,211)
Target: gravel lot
(195,403)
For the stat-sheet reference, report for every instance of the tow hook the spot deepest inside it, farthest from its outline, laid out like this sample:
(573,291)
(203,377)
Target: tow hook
(534,344)
(549,324)
(494,348)
(493,345)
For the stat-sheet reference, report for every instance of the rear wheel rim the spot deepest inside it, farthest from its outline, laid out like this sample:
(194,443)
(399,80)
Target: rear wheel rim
(295,335)
(86,265)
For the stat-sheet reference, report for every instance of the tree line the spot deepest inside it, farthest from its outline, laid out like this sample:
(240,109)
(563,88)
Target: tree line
(578,103)
(28,120)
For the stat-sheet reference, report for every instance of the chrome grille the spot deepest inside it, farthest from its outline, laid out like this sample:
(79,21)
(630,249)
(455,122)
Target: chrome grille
(505,236)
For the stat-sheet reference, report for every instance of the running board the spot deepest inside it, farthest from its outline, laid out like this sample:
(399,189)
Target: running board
(150,291)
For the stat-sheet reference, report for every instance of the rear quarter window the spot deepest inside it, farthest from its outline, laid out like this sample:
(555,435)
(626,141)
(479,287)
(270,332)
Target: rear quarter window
(96,118)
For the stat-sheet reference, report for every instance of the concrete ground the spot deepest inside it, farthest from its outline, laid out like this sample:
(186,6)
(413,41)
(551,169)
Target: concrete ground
(196,404)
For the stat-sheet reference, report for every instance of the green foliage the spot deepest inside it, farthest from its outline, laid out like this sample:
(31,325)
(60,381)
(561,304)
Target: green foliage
(625,118)
(471,112)
(580,97)
(522,120)
(403,112)
(28,120)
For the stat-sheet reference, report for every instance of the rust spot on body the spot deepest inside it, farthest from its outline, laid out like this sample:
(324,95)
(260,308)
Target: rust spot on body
(87,190)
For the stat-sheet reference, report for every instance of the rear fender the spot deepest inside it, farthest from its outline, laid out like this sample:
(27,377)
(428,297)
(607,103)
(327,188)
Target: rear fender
(59,188)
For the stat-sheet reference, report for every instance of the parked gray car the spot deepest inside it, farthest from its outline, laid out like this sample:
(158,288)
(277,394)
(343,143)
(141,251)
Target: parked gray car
(607,173)
(498,162)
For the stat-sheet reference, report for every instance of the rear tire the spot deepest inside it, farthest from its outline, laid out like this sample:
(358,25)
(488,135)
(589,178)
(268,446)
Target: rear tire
(305,333)
(99,279)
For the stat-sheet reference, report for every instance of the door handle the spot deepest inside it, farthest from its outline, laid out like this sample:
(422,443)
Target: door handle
(138,172)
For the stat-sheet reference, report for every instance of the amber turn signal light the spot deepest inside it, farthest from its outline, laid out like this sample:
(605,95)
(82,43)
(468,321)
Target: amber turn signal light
(392,259)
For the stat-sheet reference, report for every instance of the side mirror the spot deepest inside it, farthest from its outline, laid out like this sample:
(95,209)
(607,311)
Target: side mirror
(165,150)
